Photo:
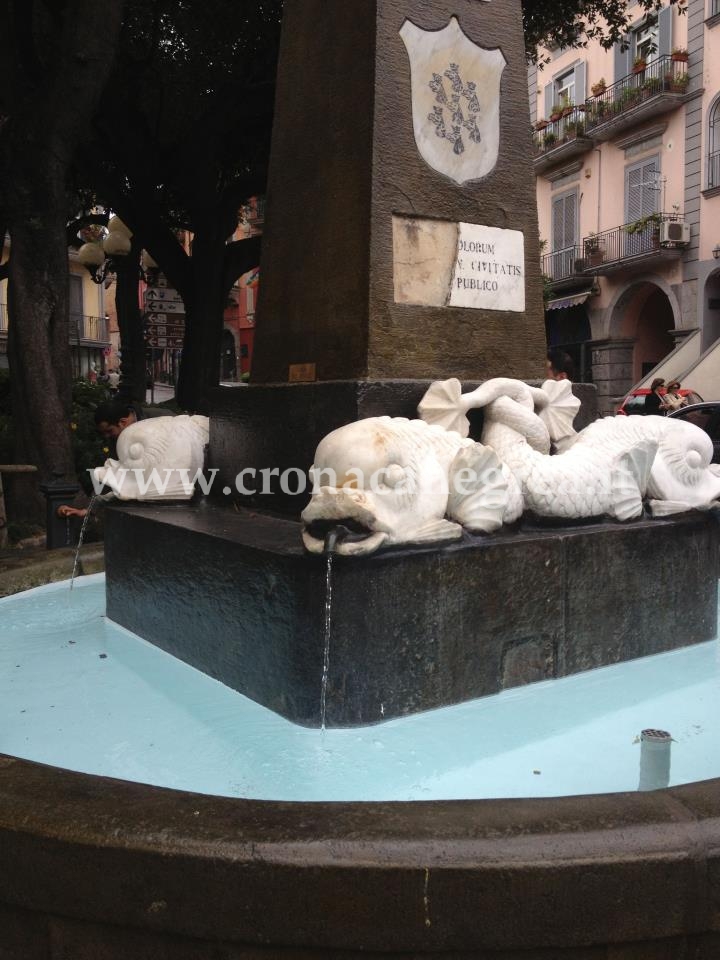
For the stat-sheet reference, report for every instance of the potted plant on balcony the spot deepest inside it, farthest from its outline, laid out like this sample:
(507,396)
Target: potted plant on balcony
(599,88)
(549,139)
(556,112)
(679,83)
(568,108)
(594,252)
(651,86)
(639,64)
(575,128)
(679,55)
(649,227)
(540,125)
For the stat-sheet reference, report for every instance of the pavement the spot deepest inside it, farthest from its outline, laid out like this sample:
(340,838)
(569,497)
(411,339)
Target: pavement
(33,567)
(160,393)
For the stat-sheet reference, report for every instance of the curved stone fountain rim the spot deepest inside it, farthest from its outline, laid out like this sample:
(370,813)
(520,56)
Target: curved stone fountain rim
(437,875)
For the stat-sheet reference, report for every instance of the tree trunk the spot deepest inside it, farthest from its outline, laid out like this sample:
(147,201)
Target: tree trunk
(38,332)
(200,361)
(57,61)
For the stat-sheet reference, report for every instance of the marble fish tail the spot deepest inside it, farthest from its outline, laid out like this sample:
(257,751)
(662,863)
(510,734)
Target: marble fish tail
(447,406)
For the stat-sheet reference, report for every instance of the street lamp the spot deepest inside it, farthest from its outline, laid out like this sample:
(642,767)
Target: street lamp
(97,258)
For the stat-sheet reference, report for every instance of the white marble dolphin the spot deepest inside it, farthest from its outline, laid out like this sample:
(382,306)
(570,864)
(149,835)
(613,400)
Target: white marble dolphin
(398,481)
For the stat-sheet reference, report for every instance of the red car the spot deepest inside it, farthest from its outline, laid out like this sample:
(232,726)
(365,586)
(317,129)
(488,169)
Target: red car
(634,403)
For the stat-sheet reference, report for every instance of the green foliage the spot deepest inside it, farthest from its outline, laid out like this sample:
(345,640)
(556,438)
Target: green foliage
(89,448)
(640,226)
(570,23)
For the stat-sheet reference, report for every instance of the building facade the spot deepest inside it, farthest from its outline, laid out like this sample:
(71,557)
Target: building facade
(89,333)
(627,158)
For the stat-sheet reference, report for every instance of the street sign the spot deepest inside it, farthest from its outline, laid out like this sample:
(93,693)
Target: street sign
(177,319)
(164,341)
(166,306)
(167,294)
(164,330)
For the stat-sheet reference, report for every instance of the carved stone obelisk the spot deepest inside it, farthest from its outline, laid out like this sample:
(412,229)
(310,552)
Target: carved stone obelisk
(401,234)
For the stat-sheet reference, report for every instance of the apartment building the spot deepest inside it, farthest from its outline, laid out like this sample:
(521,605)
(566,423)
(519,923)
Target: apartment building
(627,159)
(89,334)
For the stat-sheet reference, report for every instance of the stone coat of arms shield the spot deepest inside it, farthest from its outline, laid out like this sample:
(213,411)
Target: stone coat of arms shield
(455,100)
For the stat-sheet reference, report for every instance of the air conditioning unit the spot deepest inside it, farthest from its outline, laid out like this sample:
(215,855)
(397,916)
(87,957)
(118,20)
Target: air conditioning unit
(674,232)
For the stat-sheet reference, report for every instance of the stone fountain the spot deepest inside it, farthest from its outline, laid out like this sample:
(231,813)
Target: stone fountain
(401,248)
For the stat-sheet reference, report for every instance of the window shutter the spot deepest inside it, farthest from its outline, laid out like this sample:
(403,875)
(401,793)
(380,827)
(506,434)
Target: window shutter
(650,185)
(558,208)
(580,83)
(633,194)
(665,31)
(622,61)
(549,99)
(569,220)
(564,212)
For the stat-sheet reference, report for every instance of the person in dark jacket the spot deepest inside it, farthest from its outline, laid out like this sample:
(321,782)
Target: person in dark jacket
(654,401)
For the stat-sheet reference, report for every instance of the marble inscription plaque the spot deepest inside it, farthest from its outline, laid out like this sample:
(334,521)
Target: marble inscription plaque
(489,270)
(455,100)
(438,263)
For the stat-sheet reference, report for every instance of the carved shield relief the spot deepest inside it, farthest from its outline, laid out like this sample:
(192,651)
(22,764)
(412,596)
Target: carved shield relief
(455,100)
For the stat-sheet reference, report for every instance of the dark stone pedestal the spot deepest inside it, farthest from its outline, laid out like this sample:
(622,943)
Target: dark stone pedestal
(279,427)
(235,595)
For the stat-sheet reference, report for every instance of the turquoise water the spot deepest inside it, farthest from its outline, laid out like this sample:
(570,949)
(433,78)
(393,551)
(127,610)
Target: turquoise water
(79,692)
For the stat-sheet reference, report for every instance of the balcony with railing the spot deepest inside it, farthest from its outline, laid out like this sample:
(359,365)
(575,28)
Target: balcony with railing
(89,330)
(653,239)
(561,137)
(661,85)
(558,269)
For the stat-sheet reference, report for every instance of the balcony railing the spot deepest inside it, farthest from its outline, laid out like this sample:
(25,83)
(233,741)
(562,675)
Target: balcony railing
(713,179)
(560,264)
(92,329)
(658,77)
(621,246)
(550,134)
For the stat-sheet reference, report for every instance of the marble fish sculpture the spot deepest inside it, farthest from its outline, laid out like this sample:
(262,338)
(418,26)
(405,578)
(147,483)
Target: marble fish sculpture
(609,468)
(397,481)
(158,459)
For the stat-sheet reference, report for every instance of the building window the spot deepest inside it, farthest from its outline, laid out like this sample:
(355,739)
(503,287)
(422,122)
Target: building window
(714,8)
(564,235)
(713,175)
(565,88)
(646,39)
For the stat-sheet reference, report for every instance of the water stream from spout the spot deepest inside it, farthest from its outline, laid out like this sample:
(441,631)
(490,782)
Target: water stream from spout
(83,528)
(326,650)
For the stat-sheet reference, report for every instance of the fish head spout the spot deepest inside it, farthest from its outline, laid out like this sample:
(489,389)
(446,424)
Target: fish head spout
(367,478)
(681,470)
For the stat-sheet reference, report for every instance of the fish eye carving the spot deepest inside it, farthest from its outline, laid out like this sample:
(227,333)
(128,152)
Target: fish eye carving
(394,475)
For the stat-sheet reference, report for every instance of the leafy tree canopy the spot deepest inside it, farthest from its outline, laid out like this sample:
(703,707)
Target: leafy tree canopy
(573,23)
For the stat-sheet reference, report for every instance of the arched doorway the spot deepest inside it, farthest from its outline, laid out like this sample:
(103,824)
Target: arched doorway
(645,314)
(227,363)
(711,310)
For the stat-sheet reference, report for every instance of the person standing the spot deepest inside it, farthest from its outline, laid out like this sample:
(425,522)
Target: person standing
(654,400)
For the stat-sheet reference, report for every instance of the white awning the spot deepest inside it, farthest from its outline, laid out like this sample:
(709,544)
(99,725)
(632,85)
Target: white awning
(561,303)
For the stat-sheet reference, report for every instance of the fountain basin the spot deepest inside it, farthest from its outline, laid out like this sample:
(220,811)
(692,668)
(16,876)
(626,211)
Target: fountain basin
(234,595)
(104,868)
(110,869)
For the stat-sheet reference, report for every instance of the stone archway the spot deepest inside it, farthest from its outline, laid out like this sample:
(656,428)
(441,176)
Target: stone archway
(644,313)
(228,361)
(711,309)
